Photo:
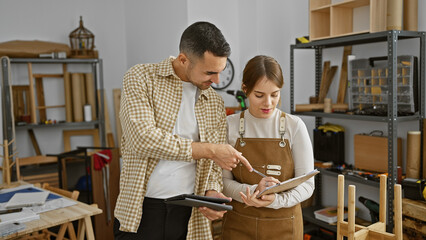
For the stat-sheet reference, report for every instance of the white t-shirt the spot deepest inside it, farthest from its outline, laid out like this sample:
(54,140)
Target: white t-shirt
(301,148)
(170,177)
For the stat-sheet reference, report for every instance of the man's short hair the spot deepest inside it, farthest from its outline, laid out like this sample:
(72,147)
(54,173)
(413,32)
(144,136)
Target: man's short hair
(201,37)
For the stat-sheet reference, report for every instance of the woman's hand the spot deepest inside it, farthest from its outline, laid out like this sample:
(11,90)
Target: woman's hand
(266,182)
(252,200)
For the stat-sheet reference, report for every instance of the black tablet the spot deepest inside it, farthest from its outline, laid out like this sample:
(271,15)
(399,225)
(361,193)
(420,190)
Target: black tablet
(191,200)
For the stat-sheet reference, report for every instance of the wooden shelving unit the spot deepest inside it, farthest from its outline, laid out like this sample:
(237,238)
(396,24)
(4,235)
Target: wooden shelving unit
(327,20)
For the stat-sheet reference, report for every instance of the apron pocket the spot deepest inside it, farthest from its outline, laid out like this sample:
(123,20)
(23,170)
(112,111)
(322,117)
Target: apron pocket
(275,228)
(237,226)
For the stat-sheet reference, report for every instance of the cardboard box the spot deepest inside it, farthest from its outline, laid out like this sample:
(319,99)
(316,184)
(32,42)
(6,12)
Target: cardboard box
(371,152)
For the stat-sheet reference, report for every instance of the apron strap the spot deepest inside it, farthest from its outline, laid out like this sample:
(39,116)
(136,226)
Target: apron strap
(242,130)
(282,129)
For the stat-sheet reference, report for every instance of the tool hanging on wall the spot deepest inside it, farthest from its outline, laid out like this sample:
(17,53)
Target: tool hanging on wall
(241,97)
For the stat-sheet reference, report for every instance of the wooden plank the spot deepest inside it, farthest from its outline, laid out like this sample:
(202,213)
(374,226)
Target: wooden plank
(32,94)
(37,160)
(68,95)
(414,209)
(326,67)
(347,50)
(106,114)
(414,224)
(76,97)
(328,80)
(116,97)
(319,106)
(34,142)
(40,99)
(21,101)
(52,106)
(375,235)
(38,75)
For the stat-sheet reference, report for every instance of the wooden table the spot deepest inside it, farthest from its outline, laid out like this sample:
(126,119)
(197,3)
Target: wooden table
(81,212)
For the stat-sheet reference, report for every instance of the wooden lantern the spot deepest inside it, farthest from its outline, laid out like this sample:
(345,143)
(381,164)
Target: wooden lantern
(82,42)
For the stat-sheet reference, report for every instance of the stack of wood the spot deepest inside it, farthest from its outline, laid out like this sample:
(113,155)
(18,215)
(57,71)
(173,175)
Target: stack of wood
(328,72)
(414,219)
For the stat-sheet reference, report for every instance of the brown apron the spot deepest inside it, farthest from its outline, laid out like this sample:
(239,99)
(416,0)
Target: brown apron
(272,157)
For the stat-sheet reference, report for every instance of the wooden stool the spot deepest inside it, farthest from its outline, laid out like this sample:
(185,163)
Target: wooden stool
(376,230)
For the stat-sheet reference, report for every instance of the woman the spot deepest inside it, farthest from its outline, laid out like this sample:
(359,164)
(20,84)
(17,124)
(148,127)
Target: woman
(276,144)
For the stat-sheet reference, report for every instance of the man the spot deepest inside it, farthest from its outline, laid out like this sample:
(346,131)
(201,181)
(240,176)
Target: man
(174,134)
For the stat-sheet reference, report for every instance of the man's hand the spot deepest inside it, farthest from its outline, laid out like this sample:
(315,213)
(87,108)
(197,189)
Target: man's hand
(252,200)
(210,213)
(224,155)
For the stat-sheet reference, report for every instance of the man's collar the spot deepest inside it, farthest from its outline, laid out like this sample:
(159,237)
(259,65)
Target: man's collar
(166,67)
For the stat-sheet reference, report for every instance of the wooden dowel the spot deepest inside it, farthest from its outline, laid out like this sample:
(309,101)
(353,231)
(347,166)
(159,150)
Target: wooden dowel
(398,211)
(382,206)
(340,204)
(351,212)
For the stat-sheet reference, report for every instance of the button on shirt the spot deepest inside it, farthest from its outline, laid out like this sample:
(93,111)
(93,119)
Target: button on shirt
(150,102)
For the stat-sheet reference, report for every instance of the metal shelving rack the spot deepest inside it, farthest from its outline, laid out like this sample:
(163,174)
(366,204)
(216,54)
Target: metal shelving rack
(391,37)
(96,66)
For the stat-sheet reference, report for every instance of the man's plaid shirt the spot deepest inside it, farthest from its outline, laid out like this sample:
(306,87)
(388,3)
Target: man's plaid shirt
(150,101)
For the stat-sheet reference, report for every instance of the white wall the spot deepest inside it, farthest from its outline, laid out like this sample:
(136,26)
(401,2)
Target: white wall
(52,20)
(132,31)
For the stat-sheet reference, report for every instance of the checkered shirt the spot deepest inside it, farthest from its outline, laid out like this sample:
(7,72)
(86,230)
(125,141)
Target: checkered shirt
(150,100)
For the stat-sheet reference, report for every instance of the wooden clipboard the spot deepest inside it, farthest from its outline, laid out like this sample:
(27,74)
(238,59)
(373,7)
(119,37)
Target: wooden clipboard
(288,184)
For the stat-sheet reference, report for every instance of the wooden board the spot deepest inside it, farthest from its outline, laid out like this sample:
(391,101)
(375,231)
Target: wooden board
(347,50)
(371,152)
(117,96)
(21,101)
(76,97)
(40,99)
(68,95)
(104,228)
(326,86)
(32,94)
(414,209)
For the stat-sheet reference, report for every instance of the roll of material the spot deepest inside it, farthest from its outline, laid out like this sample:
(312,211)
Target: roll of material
(413,154)
(76,97)
(87,113)
(91,94)
(327,105)
(394,15)
(411,13)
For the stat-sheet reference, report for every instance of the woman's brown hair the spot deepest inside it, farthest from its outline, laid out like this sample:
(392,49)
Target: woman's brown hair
(258,67)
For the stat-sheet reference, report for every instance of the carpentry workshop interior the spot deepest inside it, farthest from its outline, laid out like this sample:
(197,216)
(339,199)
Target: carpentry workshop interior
(354,80)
